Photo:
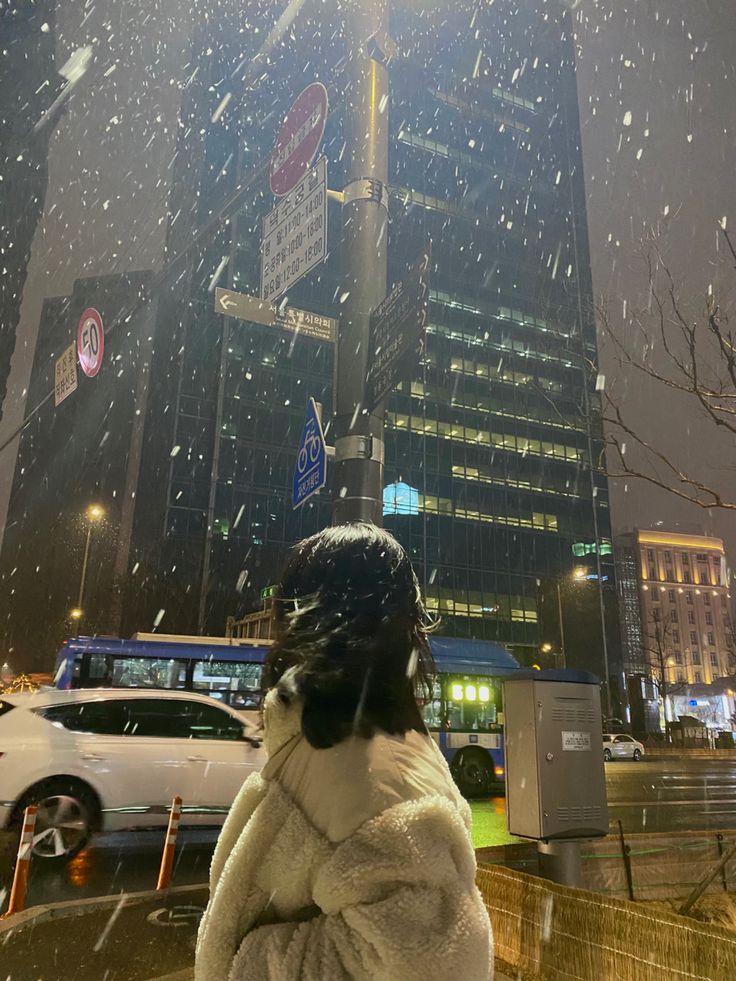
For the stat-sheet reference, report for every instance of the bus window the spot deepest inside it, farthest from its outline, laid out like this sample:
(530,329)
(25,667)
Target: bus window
(235,682)
(109,670)
(470,705)
(432,707)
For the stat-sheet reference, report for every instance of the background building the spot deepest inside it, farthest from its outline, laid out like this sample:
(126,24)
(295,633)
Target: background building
(676,624)
(490,447)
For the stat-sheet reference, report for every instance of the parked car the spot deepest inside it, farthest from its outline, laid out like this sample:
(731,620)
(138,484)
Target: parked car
(620,746)
(103,760)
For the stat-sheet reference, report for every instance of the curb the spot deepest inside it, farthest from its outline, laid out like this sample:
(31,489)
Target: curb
(78,907)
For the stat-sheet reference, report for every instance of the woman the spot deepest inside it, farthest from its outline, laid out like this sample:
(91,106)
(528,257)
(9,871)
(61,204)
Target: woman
(348,858)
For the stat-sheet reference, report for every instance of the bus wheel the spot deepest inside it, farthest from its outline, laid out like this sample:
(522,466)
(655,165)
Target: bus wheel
(472,771)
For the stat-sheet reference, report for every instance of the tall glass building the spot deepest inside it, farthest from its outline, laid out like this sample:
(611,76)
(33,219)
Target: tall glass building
(489,445)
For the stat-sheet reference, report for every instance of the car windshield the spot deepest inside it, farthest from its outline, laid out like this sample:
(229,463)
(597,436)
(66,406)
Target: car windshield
(461,270)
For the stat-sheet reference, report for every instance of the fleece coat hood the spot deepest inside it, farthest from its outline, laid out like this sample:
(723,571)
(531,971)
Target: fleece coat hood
(352,863)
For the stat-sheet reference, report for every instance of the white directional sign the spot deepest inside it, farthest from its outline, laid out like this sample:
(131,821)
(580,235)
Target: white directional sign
(295,233)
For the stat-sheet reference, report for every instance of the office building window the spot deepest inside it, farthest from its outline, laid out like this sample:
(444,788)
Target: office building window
(697,677)
(689,599)
(673,616)
(686,575)
(693,637)
(706,599)
(678,657)
(714,659)
(691,616)
(711,639)
(672,596)
(675,636)
(709,618)
(696,657)
(680,676)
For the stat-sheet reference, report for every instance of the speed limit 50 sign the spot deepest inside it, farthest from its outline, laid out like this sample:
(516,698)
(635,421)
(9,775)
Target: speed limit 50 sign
(90,342)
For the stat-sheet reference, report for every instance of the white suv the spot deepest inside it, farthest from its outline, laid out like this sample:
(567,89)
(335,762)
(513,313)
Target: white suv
(113,759)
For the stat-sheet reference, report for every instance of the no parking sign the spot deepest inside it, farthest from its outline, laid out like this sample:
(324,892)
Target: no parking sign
(90,342)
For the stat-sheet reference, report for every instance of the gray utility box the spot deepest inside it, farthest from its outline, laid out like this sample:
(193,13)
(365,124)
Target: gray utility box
(555,781)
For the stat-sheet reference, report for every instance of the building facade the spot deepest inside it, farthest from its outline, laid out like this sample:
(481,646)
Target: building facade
(489,481)
(674,590)
(492,445)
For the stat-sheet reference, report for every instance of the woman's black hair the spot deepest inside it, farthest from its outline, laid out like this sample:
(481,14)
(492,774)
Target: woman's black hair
(351,635)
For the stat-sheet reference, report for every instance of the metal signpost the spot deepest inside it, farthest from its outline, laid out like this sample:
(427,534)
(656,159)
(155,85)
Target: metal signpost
(310,472)
(65,374)
(295,233)
(90,342)
(299,139)
(397,328)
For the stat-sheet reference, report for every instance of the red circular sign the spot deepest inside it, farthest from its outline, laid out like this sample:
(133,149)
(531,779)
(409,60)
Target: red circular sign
(299,139)
(90,342)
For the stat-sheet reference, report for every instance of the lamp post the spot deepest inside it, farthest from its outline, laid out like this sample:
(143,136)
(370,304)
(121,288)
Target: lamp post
(577,576)
(94,513)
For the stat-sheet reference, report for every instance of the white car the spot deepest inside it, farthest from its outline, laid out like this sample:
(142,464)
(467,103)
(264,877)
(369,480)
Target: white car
(621,747)
(105,760)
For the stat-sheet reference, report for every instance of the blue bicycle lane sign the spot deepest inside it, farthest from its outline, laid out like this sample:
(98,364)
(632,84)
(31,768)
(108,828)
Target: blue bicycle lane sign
(310,472)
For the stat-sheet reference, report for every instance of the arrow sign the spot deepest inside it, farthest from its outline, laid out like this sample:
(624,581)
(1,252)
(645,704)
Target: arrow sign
(244,307)
(252,308)
(310,472)
(396,333)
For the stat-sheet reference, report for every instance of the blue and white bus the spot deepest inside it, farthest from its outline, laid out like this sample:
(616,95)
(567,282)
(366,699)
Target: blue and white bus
(464,713)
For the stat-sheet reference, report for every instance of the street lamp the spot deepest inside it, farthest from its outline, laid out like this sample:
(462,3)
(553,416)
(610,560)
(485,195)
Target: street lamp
(579,574)
(94,514)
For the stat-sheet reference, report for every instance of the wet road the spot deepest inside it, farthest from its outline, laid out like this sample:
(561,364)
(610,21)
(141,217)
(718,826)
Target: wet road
(657,795)
(672,795)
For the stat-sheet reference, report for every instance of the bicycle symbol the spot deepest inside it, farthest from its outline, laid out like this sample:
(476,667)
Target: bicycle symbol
(309,453)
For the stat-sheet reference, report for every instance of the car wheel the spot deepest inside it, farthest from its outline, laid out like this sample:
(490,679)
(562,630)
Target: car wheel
(473,772)
(607,755)
(637,755)
(68,812)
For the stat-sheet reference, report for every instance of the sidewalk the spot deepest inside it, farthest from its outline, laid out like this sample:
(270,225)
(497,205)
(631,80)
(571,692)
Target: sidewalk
(125,938)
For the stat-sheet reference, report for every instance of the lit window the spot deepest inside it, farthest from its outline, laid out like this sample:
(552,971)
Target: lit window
(457,693)
(484,693)
(471,693)
(400,498)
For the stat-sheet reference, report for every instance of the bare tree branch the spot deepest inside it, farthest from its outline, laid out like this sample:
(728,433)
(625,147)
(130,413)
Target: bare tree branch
(698,363)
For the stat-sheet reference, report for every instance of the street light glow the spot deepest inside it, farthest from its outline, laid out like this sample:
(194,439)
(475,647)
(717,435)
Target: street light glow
(579,573)
(76,613)
(546,648)
(95,512)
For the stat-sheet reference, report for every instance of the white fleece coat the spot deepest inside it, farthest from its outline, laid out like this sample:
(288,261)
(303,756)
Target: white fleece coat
(346,864)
